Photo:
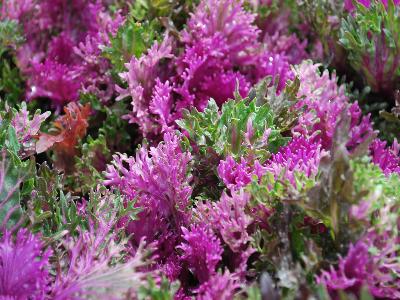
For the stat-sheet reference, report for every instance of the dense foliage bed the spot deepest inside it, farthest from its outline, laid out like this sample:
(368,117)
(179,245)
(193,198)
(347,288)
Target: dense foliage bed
(199,149)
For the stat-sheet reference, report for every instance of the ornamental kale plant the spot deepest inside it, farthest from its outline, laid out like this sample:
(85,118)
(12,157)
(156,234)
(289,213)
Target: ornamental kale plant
(199,149)
(372,37)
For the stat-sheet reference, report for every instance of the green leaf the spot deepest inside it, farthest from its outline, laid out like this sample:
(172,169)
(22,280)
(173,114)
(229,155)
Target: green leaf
(132,39)
(151,9)
(52,211)
(253,293)
(13,174)
(12,141)
(164,291)
(322,292)
(10,193)
(365,294)
(95,154)
(319,15)
(242,127)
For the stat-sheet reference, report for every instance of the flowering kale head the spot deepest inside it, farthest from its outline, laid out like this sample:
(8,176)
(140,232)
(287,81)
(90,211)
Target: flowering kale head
(56,34)
(378,212)
(387,158)
(201,250)
(222,50)
(351,273)
(15,9)
(55,81)
(206,72)
(25,126)
(324,101)
(236,175)
(351,5)
(372,262)
(94,260)
(141,77)
(299,156)
(159,179)
(227,20)
(220,286)
(27,130)
(24,266)
(272,64)
(372,38)
(230,218)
